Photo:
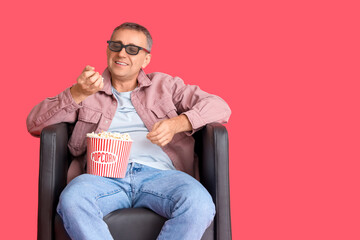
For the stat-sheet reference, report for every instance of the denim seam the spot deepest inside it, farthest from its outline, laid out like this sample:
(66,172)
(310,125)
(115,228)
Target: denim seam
(168,198)
(157,194)
(161,196)
(107,194)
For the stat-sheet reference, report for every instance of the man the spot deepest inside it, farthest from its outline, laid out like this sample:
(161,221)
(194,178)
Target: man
(160,113)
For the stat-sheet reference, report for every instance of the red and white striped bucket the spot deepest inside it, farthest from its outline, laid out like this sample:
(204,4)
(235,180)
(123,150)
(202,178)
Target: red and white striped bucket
(107,157)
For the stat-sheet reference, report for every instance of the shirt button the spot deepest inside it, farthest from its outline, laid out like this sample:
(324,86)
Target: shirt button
(106,121)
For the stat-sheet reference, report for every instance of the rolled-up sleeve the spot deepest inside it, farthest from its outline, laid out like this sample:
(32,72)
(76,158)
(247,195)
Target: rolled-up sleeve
(199,106)
(61,108)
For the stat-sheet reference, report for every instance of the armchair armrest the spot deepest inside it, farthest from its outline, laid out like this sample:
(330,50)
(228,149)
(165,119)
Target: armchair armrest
(52,175)
(212,147)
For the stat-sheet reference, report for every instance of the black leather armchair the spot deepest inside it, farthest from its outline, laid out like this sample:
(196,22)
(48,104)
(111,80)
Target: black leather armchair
(211,145)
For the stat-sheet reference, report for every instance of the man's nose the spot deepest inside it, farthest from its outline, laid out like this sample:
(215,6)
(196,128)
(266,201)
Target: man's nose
(123,52)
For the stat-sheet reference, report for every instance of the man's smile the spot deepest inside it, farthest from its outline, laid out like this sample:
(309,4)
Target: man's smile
(121,63)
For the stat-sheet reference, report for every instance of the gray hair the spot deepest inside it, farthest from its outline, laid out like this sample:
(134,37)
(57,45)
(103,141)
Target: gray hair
(136,27)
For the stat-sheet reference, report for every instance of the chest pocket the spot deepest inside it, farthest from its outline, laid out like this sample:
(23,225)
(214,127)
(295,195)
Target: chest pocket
(88,121)
(88,115)
(164,109)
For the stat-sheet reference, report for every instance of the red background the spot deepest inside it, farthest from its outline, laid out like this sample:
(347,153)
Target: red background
(288,69)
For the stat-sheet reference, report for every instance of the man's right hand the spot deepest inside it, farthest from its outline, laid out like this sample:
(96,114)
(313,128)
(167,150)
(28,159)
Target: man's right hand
(88,83)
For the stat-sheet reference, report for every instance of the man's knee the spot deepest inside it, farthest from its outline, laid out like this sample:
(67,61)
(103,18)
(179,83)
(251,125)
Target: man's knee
(202,204)
(197,202)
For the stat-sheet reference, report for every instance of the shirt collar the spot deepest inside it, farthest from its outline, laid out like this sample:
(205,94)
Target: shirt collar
(143,80)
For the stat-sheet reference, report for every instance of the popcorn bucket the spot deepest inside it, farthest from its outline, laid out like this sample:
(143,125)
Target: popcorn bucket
(107,157)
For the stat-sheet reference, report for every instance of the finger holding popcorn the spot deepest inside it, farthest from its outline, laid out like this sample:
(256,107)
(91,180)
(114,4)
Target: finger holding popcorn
(98,84)
(88,83)
(93,78)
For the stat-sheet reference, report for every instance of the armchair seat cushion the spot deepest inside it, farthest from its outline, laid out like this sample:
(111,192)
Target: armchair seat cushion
(131,223)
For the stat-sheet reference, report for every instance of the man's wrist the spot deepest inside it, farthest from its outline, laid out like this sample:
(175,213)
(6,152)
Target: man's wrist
(183,124)
(78,97)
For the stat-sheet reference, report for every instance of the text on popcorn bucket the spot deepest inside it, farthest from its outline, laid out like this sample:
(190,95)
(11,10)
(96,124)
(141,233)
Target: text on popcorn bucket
(103,157)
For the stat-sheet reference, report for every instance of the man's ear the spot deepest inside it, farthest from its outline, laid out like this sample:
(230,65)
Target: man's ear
(146,60)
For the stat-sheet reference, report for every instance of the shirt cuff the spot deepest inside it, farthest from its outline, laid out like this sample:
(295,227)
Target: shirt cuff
(67,101)
(195,120)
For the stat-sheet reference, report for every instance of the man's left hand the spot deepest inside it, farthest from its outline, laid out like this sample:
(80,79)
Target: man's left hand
(163,132)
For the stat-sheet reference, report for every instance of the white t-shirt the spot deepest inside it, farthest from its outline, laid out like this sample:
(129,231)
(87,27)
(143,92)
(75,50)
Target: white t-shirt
(126,120)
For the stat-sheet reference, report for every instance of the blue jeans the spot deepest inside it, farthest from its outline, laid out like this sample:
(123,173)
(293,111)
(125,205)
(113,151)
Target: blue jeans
(170,193)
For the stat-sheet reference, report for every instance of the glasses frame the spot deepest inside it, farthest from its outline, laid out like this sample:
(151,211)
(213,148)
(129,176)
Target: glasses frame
(125,46)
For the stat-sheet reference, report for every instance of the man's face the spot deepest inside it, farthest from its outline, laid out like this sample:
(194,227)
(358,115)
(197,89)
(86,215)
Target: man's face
(122,65)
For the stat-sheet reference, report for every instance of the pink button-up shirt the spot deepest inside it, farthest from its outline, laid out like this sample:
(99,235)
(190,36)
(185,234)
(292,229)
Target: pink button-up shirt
(158,96)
